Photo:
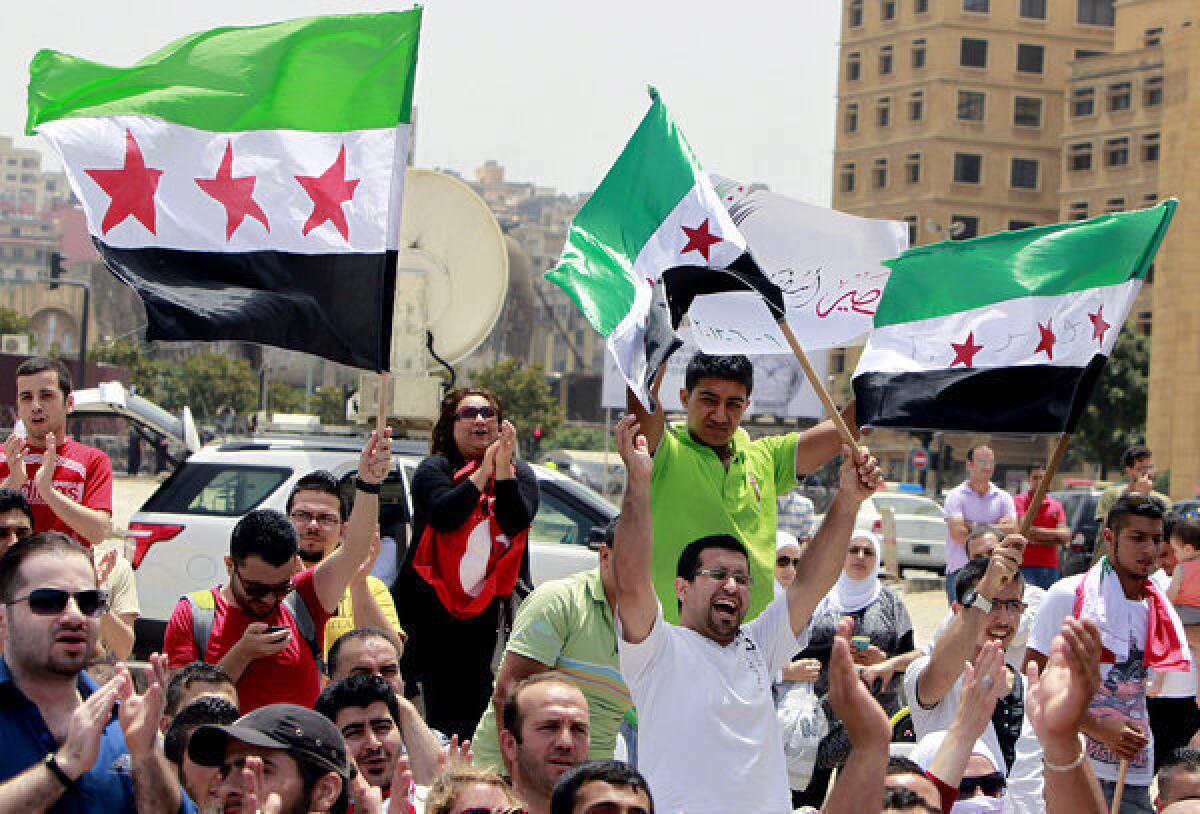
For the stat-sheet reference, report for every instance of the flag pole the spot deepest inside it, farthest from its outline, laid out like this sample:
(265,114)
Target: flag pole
(819,386)
(385,380)
(1119,791)
(1039,494)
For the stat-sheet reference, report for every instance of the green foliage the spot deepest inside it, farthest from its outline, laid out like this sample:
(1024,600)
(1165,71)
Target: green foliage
(329,403)
(13,321)
(1115,417)
(526,398)
(579,437)
(285,398)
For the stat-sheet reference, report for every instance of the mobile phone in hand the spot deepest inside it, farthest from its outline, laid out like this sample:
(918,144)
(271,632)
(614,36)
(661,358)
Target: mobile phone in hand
(277,629)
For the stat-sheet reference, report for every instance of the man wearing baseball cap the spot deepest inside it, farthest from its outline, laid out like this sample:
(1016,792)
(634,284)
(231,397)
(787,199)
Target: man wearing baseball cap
(285,750)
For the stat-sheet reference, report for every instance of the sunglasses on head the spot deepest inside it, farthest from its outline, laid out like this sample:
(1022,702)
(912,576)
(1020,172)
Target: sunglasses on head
(53,601)
(472,413)
(990,784)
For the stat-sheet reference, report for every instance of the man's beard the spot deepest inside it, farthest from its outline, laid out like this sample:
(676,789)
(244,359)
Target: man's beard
(311,557)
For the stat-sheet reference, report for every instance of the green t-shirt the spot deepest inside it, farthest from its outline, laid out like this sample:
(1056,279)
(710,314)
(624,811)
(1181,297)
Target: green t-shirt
(567,625)
(693,495)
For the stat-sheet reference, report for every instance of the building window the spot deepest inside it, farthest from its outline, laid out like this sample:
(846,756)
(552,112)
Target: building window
(1120,96)
(1083,101)
(977,6)
(853,66)
(969,226)
(973,53)
(854,13)
(912,168)
(1030,58)
(1027,111)
(1024,173)
(918,53)
(1079,156)
(921,6)
(1153,37)
(970,105)
(885,60)
(1015,225)
(1154,91)
(1150,147)
(1094,12)
(1114,205)
(883,112)
(851,123)
(887,10)
(1078,210)
(1116,152)
(1033,9)
(911,222)
(1150,198)
(846,181)
(916,106)
(1085,53)
(879,173)
(968,167)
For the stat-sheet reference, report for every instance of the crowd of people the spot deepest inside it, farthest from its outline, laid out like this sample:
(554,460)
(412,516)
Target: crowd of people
(727,653)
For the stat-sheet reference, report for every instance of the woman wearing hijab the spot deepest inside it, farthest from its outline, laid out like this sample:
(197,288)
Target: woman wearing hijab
(883,647)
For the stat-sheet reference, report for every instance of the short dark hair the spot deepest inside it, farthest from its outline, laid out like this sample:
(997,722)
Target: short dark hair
(1134,454)
(1185,528)
(735,368)
(335,651)
(982,530)
(196,672)
(906,800)
(689,558)
(970,574)
(613,772)
(12,499)
(1180,760)
(898,764)
(1137,505)
(357,691)
(324,482)
(510,713)
(265,533)
(43,542)
(205,710)
(971,451)
(40,364)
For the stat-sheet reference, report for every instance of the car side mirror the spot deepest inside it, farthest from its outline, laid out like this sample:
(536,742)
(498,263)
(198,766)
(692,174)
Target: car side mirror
(596,538)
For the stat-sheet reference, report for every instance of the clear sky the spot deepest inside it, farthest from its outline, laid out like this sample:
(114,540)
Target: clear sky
(549,88)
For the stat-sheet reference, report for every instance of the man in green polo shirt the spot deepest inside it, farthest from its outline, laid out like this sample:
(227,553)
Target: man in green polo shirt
(565,625)
(711,478)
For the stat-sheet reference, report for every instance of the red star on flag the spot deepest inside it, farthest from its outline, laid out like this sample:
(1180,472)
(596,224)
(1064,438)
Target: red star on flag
(700,240)
(1048,338)
(235,194)
(965,353)
(329,191)
(131,188)
(1099,326)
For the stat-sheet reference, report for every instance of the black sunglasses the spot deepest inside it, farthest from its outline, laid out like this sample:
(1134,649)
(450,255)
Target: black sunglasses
(990,784)
(784,562)
(53,601)
(257,590)
(471,413)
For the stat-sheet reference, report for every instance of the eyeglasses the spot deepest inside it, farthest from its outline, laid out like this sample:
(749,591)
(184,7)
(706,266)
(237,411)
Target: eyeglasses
(1010,605)
(304,518)
(784,561)
(258,590)
(743,579)
(18,532)
(990,784)
(53,601)
(472,413)
(861,551)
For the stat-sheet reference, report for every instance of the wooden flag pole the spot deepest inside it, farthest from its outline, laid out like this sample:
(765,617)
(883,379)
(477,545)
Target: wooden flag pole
(818,385)
(1119,791)
(1039,494)
(385,392)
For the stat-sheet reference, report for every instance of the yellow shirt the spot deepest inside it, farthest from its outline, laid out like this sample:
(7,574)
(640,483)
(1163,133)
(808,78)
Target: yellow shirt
(342,622)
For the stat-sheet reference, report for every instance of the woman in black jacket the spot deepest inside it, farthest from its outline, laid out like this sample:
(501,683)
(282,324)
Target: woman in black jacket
(449,599)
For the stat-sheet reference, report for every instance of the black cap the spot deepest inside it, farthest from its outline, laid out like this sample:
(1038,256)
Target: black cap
(302,732)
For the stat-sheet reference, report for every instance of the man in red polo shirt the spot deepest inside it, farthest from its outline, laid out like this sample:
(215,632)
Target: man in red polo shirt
(68,484)
(1049,532)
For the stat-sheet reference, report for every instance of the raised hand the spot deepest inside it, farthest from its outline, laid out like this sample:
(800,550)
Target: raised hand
(44,479)
(81,747)
(861,476)
(14,454)
(985,682)
(455,756)
(1057,700)
(1003,567)
(865,721)
(255,798)
(634,452)
(375,460)
(139,715)
(506,446)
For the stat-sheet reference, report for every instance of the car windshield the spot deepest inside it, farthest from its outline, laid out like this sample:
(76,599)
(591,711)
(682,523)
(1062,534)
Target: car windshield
(918,506)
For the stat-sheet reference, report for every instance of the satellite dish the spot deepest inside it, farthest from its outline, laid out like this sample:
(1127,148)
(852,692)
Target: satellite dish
(448,234)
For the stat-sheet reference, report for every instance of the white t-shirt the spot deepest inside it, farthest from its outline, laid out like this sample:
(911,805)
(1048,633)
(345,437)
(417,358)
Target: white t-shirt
(1024,792)
(1122,692)
(1175,684)
(1014,656)
(708,735)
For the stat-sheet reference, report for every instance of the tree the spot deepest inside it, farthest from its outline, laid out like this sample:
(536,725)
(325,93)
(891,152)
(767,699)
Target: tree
(577,437)
(285,398)
(13,321)
(329,402)
(525,398)
(1115,417)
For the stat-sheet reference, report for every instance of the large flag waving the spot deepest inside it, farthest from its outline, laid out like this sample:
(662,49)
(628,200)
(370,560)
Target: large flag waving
(246,182)
(652,237)
(1008,332)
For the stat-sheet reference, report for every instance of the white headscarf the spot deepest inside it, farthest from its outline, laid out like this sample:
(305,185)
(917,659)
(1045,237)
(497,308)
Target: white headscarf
(783,539)
(923,754)
(850,595)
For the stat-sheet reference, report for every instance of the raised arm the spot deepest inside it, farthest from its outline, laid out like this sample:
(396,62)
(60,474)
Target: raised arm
(817,445)
(653,424)
(984,685)
(824,558)
(92,525)
(637,606)
(333,575)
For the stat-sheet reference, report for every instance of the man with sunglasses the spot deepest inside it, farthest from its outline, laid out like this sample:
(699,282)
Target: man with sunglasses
(269,641)
(708,737)
(16,518)
(64,745)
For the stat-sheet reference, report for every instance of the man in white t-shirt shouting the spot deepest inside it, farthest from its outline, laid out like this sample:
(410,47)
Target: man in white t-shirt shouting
(708,736)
